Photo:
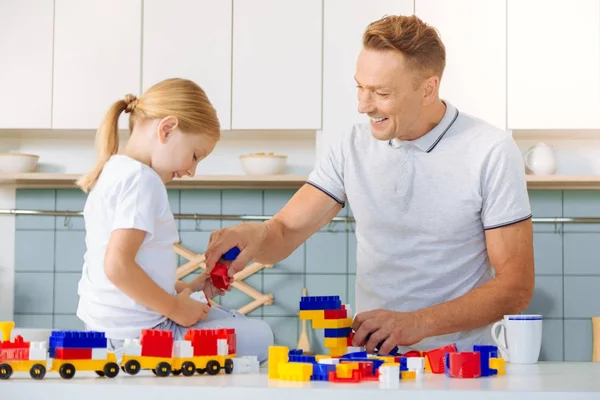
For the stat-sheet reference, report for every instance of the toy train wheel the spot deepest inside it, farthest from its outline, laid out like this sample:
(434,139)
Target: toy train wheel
(100,373)
(176,372)
(37,371)
(213,367)
(132,367)
(201,371)
(67,371)
(228,366)
(111,370)
(188,368)
(162,369)
(5,371)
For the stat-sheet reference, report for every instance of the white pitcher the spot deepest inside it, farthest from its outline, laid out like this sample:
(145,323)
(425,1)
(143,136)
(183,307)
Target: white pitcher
(540,159)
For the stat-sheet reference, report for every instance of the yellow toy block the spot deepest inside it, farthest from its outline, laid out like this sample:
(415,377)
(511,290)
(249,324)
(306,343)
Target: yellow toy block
(331,342)
(408,374)
(344,370)
(386,359)
(277,355)
(6,328)
(427,365)
(295,371)
(498,364)
(320,357)
(312,314)
(331,323)
(338,351)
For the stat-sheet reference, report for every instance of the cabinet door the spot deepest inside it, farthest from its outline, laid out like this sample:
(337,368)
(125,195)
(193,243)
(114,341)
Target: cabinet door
(190,39)
(474,34)
(96,59)
(26,66)
(553,64)
(277,64)
(344,24)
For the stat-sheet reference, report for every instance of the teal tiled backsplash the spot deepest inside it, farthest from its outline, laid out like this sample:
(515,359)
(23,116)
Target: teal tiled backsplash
(49,252)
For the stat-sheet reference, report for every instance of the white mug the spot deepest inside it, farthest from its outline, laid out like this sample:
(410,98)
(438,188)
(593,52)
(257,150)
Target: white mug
(523,337)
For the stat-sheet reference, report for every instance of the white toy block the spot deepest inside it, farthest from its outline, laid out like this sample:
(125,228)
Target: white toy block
(329,361)
(245,365)
(199,296)
(99,354)
(132,347)
(38,351)
(183,349)
(389,373)
(415,363)
(355,349)
(222,347)
(349,311)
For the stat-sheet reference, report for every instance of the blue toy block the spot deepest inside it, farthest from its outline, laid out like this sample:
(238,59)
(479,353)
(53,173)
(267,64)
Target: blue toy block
(302,359)
(403,363)
(356,354)
(320,303)
(337,332)
(321,371)
(486,352)
(231,254)
(295,352)
(75,340)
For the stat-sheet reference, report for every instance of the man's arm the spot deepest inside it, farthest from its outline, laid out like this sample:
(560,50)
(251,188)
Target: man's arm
(510,249)
(271,241)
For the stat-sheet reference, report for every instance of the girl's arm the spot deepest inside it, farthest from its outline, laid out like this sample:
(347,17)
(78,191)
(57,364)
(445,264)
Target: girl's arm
(180,285)
(122,270)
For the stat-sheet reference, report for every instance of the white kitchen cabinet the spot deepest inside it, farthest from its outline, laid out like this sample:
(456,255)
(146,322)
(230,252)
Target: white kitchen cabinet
(553,64)
(344,24)
(474,34)
(277,46)
(97,54)
(190,39)
(26,66)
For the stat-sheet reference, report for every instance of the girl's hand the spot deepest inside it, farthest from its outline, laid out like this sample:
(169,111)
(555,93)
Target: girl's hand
(203,283)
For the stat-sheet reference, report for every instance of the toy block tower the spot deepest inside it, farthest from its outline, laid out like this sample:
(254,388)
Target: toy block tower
(328,313)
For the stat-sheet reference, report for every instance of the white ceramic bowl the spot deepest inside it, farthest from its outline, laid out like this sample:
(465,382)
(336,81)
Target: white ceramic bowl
(263,163)
(14,163)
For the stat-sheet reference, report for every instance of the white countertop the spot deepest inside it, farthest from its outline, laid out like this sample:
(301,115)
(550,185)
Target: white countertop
(545,380)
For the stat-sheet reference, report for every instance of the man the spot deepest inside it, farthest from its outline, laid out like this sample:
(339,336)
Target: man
(443,220)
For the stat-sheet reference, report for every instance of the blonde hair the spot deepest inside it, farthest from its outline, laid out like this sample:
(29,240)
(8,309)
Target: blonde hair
(417,41)
(180,98)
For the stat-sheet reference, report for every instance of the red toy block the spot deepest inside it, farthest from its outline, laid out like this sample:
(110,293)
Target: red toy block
(437,357)
(356,377)
(73,354)
(464,364)
(18,343)
(14,354)
(336,314)
(219,276)
(412,353)
(157,343)
(350,337)
(366,371)
(204,341)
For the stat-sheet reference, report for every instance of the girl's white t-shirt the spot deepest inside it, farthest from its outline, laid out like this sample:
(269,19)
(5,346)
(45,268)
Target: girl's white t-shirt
(127,195)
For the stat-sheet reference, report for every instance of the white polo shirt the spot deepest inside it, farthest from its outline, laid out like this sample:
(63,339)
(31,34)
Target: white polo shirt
(421,210)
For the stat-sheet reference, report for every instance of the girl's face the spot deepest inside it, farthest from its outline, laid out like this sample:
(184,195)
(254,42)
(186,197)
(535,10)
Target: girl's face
(177,154)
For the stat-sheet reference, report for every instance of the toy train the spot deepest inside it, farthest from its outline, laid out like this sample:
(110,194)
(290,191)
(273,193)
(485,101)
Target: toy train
(202,350)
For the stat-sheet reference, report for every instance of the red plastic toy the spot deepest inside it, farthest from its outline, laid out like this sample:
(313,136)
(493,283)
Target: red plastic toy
(219,276)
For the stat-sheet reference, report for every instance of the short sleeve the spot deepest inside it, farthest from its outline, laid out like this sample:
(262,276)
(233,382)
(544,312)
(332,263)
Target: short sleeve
(328,174)
(137,203)
(504,187)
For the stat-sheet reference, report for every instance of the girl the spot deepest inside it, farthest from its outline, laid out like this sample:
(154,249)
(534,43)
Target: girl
(128,281)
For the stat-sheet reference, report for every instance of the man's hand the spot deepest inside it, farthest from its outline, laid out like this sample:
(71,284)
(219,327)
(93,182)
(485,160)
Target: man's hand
(390,328)
(247,236)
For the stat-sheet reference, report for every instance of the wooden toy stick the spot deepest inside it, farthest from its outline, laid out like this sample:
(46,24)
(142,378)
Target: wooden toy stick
(303,342)
(596,339)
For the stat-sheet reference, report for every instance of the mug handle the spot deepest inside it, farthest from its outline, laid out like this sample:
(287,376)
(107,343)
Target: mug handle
(496,336)
(526,159)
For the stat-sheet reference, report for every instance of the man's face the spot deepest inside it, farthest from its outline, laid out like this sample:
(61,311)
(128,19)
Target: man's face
(387,93)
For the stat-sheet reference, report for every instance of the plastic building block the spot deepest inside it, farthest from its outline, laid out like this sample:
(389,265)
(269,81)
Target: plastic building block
(408,374)
(311,314)
(231,254)
(330,342)
(375,363)
(412,353)
(295,371)
(486,352)
(436,358)
(245,365)
(6,328)
(220,277)
(338,351)
(277,355)
(205,341)
(320,303)
(336,314)
(338,333)
(415,364)
(321,371)
(463,364)
(156,343)
(355,355)
(73,354)
(355,378)
(498,365)
(331,323)
(389,373)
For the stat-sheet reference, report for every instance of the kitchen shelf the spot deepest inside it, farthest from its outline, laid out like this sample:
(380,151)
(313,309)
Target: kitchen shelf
(60,181)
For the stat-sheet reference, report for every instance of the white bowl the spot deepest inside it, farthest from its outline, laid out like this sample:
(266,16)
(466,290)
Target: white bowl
(14,163)
(263,163)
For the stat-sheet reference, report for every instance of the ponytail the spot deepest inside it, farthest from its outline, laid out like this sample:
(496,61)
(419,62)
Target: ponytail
(107,139)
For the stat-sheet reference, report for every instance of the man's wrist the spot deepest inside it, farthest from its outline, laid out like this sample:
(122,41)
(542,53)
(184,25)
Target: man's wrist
(425,322)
